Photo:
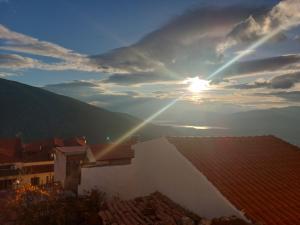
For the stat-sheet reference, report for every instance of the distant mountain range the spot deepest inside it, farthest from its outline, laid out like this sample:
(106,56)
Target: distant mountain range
(34,113)
(282,122)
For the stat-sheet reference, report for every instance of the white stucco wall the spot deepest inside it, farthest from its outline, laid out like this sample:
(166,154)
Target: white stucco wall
(60,167)
(113,180)
(159,166)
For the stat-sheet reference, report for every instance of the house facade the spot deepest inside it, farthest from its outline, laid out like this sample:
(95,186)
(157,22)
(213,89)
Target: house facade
(30,163)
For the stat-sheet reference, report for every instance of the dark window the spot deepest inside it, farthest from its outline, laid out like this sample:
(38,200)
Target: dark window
(6,184)
(72,167)
(35,181)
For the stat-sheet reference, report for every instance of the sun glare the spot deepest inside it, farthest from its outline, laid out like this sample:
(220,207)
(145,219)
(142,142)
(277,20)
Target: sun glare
(197,85)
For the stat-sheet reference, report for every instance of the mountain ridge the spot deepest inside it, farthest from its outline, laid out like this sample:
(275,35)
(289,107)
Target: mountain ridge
(38,114)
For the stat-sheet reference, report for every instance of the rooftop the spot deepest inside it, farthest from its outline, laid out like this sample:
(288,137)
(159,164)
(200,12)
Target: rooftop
(121,151)
(71,150)
(13,150)
(259,175)
(152,209)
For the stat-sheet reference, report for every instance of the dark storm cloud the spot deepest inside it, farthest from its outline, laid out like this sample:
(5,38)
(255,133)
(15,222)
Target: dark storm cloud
(285,81)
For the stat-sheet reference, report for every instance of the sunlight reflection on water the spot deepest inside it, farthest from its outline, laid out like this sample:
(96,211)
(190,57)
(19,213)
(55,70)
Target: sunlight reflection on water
(194,127)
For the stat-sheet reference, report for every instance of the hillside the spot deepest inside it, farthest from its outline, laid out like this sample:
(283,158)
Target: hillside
(36,114)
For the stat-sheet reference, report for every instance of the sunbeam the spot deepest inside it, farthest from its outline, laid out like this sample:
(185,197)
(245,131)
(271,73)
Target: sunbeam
(137,128)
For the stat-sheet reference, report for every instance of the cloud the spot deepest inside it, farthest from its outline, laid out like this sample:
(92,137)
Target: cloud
(284,15)
(285,81)
(24,44)
(190,44)
(264,65)
(7,74)
(293,96)
(13,61)
(73,84)
(138,78)
(184,45)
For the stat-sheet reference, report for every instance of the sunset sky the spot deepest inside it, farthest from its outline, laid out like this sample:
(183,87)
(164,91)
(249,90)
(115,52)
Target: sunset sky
(139,55)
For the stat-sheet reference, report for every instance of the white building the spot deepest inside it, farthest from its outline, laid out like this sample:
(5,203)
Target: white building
(253,178)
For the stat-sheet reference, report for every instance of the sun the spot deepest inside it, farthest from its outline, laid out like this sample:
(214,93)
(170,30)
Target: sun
(197,85)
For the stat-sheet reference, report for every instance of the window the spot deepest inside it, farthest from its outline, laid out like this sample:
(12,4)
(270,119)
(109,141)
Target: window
(35,181)
(72,167)
(6,184)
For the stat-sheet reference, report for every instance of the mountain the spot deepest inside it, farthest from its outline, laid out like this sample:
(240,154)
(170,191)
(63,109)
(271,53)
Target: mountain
(282,122)
(35,113)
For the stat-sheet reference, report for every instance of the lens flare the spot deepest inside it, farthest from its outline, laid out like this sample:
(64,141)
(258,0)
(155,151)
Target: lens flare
(197,85)
(137,128)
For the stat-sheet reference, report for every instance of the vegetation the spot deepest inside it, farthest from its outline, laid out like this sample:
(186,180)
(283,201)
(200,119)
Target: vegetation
(31,205)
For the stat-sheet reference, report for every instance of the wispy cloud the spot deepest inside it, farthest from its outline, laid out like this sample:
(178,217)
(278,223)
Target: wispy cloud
(20,43)
(285,81)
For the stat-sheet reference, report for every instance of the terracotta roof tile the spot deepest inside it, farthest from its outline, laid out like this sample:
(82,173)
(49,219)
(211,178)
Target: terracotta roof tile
(121,151)
(259,175)
(153,209)
(10,150)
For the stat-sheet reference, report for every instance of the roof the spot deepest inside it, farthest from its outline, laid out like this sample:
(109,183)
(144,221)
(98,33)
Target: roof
(258,175)
(153,209)
(75,141)
(70,150)
(156,209)
(10,150)
(118,152)
(53,142)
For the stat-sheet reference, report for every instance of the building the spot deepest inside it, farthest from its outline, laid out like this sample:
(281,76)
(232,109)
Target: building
(256,179)
(71,163)
(30,163)
(67,167)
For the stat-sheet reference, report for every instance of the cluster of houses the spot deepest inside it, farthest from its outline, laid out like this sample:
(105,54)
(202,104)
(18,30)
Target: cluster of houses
(30,163)
(255,179)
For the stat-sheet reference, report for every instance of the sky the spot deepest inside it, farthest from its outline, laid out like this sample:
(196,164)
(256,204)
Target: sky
(136,56)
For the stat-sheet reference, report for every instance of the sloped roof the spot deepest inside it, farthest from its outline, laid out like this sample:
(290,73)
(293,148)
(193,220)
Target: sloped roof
(121,151)
(47,144)
(156,209)
(153,209)
(72,149)
(259,175)
(10,150)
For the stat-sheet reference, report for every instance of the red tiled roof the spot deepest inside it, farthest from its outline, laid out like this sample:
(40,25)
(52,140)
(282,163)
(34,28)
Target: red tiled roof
(75,141)
(259,175)
(53,142)
(121,151)
(153,209)
(10,150)
(72,149)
